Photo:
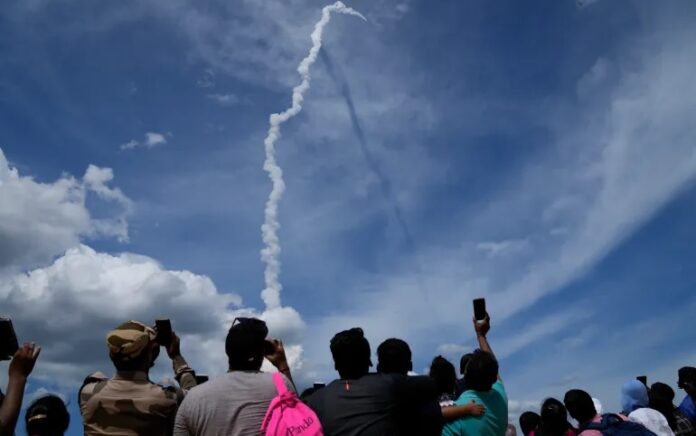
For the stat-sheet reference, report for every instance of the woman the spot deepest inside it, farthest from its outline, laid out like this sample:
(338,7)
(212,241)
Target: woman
(554,420)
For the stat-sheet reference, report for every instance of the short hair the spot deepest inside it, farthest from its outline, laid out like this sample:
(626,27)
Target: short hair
(138,363)
(442,371)
(394,357)
(244,345)
(481,371)
(351,353)
(463,362)
(687,375)
(661,398)
(554,417)
(529,421)
(580,405)
(47,416)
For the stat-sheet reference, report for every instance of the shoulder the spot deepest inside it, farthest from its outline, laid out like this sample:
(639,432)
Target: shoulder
(91,386)
(499,387)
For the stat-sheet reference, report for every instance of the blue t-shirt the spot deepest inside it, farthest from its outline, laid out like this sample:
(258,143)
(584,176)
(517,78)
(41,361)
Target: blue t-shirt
(492,423)
(688,409)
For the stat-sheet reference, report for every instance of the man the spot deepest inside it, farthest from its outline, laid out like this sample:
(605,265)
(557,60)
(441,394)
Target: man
(236,403)
(662,399)
(21,366)
(361,403)
(687,381)
(129,403)
(424,416)
(484,387)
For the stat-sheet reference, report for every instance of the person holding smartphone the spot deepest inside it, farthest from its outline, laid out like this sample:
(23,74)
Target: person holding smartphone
(129,403)
(485,387)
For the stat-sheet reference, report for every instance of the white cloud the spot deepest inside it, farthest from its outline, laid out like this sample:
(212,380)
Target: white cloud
(41,220)
(500,248)
(102,290)
(594,78)
(207,79)
(225,99)
(151,140)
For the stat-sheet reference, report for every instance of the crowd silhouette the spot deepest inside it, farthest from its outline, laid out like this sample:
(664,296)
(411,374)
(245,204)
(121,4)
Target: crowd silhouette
(388,401)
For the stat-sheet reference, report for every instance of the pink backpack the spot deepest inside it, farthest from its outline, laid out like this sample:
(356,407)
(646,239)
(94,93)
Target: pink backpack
(288,416)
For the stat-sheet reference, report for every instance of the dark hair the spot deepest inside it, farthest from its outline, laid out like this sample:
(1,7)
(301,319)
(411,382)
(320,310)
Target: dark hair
(580,405)
(529,421)
(442,371)
(661,398)
(463,362)
(394,357)
(351,353)
(481,371)
(145,360)
(47,416)
(245,344)
(554,418)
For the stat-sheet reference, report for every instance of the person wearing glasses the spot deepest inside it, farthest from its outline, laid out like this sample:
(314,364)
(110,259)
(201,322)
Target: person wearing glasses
(235,403)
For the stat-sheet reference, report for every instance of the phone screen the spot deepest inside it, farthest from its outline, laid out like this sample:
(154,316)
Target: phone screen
(480,308)
(164,332)
(8,340)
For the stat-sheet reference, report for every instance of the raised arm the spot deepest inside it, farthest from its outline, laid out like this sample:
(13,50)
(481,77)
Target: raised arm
(183,372)
(20,367)
(279,360)
(482,328)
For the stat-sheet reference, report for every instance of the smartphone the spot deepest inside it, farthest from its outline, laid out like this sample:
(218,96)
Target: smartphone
(8,340)
(268,348)
(480,309)
(643,379)
(164,332)
(318,385)
(201,378)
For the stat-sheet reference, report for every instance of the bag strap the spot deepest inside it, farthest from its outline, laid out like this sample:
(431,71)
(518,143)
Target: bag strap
(279,383)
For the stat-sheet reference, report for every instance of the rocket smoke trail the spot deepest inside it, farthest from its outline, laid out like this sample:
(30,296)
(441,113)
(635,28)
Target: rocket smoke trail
(269,229)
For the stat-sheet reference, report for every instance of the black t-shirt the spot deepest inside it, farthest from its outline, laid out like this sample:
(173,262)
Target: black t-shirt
(375,404)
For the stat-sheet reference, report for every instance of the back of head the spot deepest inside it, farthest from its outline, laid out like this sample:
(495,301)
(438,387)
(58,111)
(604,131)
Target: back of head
(394,357)
(580,405)
(351,353)
(463,362)
(132,346)
(661,398)
(47,416)
(634,395)
(442,371)
(481,371)
(554,418)
(687,379)
(245,344)
(529,421)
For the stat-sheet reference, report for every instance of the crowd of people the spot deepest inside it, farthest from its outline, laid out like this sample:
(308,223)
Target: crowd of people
(388,401)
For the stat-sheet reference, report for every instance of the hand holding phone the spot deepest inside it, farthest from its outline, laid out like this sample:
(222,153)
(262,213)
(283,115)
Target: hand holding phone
(164,332)
(275,353)
(8,340)
(480,309)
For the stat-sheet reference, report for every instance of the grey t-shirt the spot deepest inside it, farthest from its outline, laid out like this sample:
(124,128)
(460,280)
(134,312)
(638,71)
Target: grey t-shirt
(232,404)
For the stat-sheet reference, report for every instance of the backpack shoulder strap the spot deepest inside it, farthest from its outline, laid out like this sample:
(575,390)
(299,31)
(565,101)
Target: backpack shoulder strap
(279,383)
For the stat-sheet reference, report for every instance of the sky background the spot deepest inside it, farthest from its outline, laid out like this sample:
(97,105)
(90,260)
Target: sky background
(540,154)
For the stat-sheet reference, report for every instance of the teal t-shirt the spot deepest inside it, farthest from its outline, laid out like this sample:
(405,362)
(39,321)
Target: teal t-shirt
(492,423)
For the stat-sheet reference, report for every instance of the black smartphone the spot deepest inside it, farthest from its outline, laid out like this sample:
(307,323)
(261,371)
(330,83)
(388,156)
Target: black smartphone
(201,378)
(480,309)
(643,379)
(164,332)
(319,385)
(8,340)
(268,348)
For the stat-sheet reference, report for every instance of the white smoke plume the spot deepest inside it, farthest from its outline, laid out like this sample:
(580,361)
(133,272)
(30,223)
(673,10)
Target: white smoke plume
(269,229)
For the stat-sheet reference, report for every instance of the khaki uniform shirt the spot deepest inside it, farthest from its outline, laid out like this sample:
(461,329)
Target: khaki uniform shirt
(129,404)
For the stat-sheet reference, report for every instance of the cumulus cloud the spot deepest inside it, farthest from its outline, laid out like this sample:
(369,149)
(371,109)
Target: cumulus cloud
(69,306)
(151,140)
(41,220)
(225,99)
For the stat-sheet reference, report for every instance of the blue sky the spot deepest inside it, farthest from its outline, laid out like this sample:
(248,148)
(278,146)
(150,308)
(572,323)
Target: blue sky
(540,154)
